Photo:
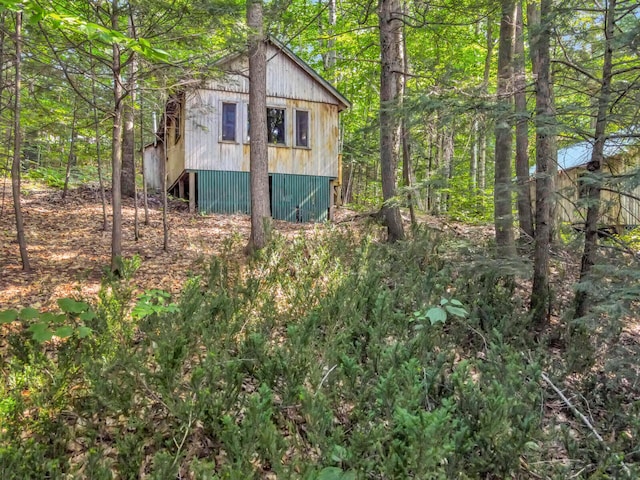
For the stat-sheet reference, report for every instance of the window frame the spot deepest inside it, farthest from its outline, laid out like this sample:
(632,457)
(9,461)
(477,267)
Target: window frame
(221,139)
(295,128)
(284,126)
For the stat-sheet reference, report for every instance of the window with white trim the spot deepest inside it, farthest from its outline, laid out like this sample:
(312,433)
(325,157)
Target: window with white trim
(302,128)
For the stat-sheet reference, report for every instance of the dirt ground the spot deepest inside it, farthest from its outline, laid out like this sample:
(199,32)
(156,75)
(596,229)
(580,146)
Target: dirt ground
(68,250)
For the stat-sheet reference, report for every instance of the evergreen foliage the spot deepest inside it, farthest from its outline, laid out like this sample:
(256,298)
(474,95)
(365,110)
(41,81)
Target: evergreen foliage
(307,362)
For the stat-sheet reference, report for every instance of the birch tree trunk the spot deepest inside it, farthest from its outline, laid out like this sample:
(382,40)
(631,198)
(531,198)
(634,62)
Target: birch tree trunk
(503,131)
(390,99)
(258,157)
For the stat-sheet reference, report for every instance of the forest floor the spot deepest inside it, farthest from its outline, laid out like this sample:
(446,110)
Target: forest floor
(69,250)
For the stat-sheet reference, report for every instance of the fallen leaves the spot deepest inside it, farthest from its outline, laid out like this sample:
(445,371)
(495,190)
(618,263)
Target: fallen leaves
(69,251)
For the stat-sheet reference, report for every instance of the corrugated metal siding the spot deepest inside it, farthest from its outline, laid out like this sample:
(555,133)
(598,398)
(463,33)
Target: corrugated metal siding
(616,209)
(300,198)
(205,151)
(285,79)
(223,192)
(294,198)
(152,162)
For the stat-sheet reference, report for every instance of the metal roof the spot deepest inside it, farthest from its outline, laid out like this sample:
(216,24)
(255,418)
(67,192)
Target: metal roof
(579,154)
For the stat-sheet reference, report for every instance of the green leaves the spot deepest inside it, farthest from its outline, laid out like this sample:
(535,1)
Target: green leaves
(8,316)
(43,326)
(40,332)
(335,473)
(436,315)
(153,301)
(60,20)
(69,305)
(440,313)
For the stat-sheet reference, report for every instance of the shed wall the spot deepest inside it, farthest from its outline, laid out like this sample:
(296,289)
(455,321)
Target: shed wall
(616,209)
(294,198)
(152,159)
(205,150)
(285,79)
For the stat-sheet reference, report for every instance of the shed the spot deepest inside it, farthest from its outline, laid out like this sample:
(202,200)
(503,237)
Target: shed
(620,196)
(207,139)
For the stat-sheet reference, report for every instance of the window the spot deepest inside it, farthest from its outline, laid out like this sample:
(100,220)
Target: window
(302,128)
(228,122)
(247,137)
(276,125)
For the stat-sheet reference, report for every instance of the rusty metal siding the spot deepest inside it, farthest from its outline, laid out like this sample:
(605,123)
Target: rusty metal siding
(204,149)
(285,79)
(300,198)
(223,192)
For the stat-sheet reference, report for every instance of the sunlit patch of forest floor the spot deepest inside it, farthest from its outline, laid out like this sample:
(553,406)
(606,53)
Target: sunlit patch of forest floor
(69,250)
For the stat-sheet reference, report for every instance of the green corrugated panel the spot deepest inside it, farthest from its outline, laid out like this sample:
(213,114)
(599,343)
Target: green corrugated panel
(294,198)
(223,192)
(299,198)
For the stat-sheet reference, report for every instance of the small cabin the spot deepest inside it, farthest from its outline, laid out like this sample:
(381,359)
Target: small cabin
(620,195)
(207,140)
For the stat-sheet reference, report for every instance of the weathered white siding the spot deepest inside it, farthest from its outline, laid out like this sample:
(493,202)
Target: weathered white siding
(205,150)
(285,79)
(616,208)
(152,158)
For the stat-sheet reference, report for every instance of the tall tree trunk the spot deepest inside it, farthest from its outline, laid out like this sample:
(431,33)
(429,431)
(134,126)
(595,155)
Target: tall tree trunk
(96,122)
(389,12)
(447,159)
(72,149)
(145,201)
(128,174)
(595,164)
(545,139)
(522,132)
(473,158)
(407,167)
(483,127)
(502,180)
(116,148)
(17,147)
(165,163)
(258,156)
(533,17)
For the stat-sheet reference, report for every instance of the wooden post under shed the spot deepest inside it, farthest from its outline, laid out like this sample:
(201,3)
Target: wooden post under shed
(192,192)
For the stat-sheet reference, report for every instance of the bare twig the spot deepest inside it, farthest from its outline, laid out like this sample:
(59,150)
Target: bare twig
(584,419)
(326,375)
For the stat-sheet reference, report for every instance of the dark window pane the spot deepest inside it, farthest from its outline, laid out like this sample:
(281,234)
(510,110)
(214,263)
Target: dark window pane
(302,128)
(276,125)
(229,122)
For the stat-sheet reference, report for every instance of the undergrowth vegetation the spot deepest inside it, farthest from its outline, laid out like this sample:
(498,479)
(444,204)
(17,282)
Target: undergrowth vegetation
(326,357)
